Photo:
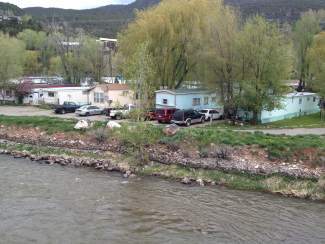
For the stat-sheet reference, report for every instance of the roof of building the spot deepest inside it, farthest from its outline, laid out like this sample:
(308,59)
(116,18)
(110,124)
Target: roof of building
(112,87)
(186,91)
(301,94)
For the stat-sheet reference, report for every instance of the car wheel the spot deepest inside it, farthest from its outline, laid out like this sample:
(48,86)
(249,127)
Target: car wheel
(87,114)
(118,117)
(202,120)
(63,111)
(188,122)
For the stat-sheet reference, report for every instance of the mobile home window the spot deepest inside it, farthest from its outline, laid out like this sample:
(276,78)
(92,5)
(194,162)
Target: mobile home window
(300,100)
(308,99)
(206,100)
(8,93)
(125,93)
(196,102)
(99,97)
(314,99)
(165,101)
(51,94)
(214,99)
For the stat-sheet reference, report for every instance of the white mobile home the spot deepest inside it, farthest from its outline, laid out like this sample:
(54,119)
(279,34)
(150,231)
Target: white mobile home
(186,99)
(57,95)
(293,105)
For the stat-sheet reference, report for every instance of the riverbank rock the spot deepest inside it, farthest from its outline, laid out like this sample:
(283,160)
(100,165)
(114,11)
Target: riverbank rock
(83,124)
(113,124)
(171,130)
(186,180)
(200,182)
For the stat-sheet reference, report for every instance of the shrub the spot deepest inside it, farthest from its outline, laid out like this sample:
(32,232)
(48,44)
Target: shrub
(100,134)
(321,183)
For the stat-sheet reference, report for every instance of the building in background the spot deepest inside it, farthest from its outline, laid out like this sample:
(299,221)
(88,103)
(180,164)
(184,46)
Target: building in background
(187,99)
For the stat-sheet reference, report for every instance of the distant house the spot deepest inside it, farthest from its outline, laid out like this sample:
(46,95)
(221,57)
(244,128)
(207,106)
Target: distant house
(186,99)
(293,105)
(36,94)
(8,96)
(111,95)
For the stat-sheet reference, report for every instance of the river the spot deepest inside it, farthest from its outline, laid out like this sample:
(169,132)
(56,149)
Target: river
(53,204)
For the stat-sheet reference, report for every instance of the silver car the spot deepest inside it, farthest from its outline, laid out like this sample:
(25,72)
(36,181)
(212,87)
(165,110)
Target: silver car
(89,110)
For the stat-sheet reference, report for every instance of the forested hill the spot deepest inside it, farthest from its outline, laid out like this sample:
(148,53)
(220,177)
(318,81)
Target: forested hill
(10,9)
(108,20)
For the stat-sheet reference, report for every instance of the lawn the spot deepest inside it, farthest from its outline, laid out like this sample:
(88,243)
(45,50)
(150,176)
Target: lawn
(306,121)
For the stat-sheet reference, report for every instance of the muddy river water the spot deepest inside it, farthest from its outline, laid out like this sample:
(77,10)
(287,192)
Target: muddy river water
(52,204)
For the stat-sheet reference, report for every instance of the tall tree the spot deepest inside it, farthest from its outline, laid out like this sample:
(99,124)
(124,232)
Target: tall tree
(173,32)
(11,61)
(304,32)
(222,52)
(316,56)
(266,62)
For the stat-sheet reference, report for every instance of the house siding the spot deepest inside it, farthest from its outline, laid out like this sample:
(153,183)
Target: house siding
(185,100)
(292,108)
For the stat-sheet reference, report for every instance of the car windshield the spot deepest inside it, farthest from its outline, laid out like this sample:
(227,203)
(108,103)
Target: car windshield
(84,107)
(160,111)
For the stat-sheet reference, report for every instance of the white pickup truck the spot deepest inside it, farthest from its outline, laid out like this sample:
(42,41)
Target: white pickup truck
(120,113)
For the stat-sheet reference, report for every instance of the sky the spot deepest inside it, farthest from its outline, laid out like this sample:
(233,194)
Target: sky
(70,4)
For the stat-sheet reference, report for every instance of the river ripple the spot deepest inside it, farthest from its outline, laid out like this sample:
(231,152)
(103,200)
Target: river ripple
(52,204)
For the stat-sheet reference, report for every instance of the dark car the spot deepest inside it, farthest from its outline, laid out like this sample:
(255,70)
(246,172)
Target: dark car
(66,107)
(165,115)
(187,117)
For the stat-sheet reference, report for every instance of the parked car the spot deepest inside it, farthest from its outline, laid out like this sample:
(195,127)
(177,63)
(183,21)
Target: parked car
(89,110)
(212,114)
(66,107)
(187,117)
(165,115)
(150,115)
(119,113)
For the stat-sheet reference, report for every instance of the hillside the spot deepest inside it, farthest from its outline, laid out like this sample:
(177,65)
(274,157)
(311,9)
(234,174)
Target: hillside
(108,20)
(10,9)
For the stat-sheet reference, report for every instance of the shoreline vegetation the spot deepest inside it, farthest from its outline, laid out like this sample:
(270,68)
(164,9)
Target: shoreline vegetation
(288,165)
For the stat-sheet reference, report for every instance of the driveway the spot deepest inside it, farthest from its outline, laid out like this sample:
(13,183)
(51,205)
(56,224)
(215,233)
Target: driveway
(34,111)
(292,132)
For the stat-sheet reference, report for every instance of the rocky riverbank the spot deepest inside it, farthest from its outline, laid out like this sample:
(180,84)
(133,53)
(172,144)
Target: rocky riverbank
(240,167)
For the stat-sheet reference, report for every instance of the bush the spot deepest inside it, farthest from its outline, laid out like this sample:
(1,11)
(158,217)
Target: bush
(321,183)
(100,134)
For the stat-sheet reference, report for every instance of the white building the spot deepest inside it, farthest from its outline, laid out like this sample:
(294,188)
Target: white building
(57,95)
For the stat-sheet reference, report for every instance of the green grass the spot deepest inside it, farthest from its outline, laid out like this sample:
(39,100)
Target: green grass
(48,124)
(303,188)
(278,146)
(306,121)
(137,136)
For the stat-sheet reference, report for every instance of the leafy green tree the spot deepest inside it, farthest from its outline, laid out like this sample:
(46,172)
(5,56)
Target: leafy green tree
(305,30)
(222,54)
(32,65)
(97,60)
(266,62)
(140,73)
(11,65)
(173,31)
(316,56)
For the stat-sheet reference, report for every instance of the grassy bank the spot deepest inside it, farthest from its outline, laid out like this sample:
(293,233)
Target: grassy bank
(301,188)
(306,121)
(277,184)
(138,135)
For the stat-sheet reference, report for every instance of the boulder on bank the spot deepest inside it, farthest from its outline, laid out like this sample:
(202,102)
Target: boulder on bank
(83,124)
(171,130)
(113,124)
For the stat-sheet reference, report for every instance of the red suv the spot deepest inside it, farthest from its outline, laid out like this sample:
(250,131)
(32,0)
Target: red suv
(165,115)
